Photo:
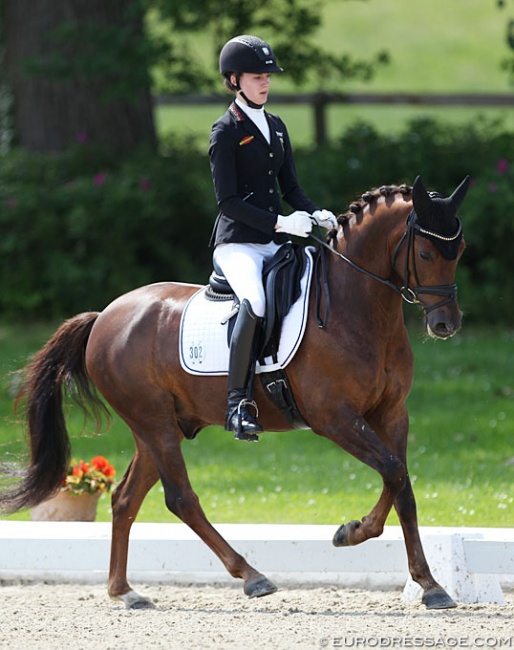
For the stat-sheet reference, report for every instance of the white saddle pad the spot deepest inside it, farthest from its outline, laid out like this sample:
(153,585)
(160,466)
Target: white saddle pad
(203,331)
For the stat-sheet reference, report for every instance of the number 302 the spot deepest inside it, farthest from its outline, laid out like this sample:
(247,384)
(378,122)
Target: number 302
(196,353)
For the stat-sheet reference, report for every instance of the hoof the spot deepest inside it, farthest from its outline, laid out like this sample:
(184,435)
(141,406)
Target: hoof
(341,537)
(133,600)
(259,586)
(437,598)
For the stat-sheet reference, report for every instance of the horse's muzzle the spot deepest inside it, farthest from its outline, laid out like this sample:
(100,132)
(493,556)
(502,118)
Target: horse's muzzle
(442,325)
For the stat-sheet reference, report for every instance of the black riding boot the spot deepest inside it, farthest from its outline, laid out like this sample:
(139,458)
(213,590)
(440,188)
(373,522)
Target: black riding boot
(241,368)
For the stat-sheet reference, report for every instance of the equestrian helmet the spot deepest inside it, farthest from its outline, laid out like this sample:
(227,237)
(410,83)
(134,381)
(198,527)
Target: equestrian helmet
(247,54)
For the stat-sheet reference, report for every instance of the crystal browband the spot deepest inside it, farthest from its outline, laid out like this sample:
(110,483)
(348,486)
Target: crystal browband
(434,234)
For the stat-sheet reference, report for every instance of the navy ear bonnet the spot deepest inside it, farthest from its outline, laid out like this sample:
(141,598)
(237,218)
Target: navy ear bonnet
(436,218)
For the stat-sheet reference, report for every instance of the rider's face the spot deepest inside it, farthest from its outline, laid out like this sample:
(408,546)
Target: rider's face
(255,86)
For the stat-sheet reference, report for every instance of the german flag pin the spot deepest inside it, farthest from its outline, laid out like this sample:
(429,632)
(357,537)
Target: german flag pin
(246,140)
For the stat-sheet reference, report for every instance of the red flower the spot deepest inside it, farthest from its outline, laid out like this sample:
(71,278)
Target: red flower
(93,477)
(99,462)
(109,471)
(102,465)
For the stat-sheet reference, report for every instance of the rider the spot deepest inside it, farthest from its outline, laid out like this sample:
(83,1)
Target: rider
(251,158)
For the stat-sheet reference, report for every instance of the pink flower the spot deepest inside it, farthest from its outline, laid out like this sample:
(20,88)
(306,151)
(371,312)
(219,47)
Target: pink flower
(81,137)
(99,179)
(502,166)
(145,184)
(492,187)
(11,202)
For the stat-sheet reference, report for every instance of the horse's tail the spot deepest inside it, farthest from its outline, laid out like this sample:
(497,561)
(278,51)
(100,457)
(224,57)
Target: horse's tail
(58,366)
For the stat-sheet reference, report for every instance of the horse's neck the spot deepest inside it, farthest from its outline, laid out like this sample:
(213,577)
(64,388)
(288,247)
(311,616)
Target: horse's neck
(367,239)
(368,245)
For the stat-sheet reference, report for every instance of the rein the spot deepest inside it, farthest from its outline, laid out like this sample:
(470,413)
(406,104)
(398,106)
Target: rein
(408,293)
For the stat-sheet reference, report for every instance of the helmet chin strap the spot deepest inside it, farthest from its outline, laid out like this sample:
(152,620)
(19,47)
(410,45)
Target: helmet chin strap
(249,101)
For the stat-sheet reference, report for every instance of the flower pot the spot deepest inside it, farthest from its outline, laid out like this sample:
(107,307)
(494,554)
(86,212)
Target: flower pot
(66,506)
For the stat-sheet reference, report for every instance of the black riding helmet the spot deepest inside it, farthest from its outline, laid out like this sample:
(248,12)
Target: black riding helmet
(247,54)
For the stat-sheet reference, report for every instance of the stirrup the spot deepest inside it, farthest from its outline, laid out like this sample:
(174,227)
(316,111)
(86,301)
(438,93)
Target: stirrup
(242,423)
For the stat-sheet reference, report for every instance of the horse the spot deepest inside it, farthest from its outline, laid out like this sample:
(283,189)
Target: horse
(350,378)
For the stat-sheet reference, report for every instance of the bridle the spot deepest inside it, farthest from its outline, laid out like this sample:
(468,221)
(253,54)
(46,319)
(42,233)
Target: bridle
(410,294)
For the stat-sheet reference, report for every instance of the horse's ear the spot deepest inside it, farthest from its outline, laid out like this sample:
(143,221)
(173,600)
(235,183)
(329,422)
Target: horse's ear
(420,197)
(459,194)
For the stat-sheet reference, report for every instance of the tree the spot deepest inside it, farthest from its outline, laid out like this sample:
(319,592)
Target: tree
(81,68)
(290,25)
(508,62)
(78,69)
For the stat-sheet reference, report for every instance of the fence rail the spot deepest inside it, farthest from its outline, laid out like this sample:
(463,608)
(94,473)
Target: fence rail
(471,563)
(320,101)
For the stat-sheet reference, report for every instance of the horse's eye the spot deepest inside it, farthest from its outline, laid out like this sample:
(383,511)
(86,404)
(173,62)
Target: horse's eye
(425,255)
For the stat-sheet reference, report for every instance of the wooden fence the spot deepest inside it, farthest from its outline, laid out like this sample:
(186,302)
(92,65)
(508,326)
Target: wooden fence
(320,101)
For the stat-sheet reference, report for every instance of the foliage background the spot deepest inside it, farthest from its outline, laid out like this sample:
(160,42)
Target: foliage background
(82,227)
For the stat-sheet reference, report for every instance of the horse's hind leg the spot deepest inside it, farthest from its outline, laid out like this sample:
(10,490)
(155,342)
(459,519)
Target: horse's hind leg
(127,498)
(183,502)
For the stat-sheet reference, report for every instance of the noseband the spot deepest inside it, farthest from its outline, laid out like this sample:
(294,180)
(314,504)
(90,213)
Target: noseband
(411,294)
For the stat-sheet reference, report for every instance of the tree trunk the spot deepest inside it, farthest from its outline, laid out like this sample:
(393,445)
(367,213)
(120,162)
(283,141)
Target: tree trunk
(62,81)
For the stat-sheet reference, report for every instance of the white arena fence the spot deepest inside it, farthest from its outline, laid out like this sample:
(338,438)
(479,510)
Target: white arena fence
(472,564)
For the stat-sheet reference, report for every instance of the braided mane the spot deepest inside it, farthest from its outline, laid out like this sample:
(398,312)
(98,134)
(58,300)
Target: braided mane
(368,198)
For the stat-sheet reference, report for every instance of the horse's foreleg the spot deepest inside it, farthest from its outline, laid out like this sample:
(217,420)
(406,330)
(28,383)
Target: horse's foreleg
(183,502)
(389,461)
(434,596)
(140,476)
(360,440)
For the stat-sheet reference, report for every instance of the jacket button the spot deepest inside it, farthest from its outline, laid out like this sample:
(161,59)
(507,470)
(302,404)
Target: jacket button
(270,190)
(270,172)
(271,155)
(270,209)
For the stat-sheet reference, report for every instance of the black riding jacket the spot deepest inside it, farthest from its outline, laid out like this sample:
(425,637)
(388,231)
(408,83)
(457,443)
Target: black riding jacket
(248,173)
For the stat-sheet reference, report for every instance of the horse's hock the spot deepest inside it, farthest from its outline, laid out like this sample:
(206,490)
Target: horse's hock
(471,564)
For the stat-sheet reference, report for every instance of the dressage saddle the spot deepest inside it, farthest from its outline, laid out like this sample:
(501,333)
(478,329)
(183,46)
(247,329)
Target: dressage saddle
(282,285)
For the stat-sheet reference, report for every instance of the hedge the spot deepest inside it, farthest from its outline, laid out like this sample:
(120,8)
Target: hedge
(79,229)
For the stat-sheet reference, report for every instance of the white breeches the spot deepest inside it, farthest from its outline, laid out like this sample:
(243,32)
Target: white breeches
(242,266)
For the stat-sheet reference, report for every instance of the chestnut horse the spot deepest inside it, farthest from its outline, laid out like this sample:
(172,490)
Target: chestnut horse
(350,379)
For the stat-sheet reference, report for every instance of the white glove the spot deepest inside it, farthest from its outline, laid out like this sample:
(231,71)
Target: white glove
(325,218)
(297,223)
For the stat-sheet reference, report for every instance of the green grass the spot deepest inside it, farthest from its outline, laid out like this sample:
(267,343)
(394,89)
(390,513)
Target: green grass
(460,447)
(435,47)
(195,122)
